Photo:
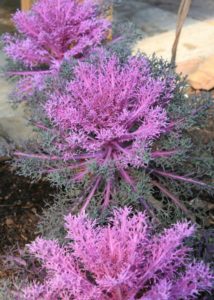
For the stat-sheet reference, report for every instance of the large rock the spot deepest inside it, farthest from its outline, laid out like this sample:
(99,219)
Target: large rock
(13,124)
(199,10)
(196,42)
(151,20)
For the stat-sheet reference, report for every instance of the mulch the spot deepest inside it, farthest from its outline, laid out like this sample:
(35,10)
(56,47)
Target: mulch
(21,203)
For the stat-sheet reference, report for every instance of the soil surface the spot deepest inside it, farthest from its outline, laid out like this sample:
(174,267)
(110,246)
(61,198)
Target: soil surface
(7,8)
(21,202)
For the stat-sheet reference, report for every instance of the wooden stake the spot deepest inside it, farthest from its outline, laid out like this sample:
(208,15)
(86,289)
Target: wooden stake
(26,4)
(182,14)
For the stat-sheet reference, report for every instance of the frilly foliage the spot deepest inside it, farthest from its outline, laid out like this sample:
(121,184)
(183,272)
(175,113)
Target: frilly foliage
(51,31)
(122,126)
(55,29)
(123,260)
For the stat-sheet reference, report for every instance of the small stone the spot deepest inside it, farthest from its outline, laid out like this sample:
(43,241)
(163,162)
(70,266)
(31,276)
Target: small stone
(24,237)
(9,222)
(13,122)
(34,210)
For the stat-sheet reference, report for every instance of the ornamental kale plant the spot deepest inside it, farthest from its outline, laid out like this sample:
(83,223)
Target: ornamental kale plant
(55,29)
(117,129)
(51,31)
(122,260)
(107,118)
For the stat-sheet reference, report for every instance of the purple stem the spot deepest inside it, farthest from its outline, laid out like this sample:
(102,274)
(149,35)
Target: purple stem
(108,185)
(125,175)
(194,112)
(72,167)
(163,153)
(134,117)
(46,157)
(108,155)
(175,199)
(28,73)
(88,199)
(129,136)
(41,126)
(131,182)
(38,156)
(173,124)
(107,194)
(148,207)
(121,149)
(80,175)
(116,39)
(127,178)
(88,155)
(177,177)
